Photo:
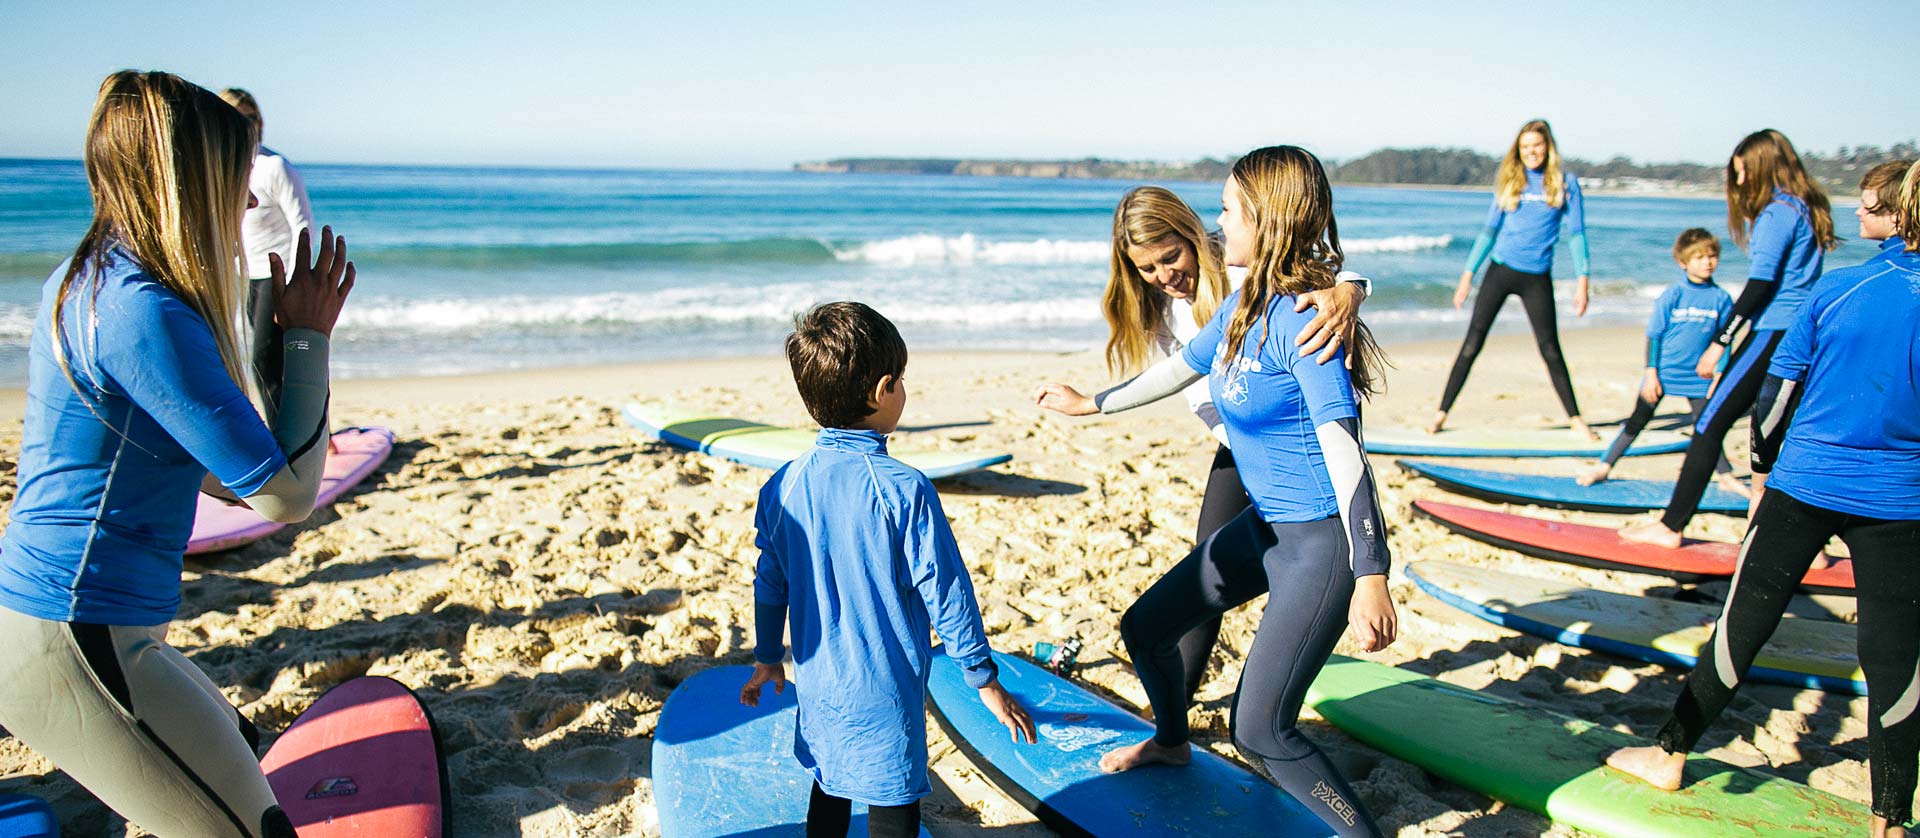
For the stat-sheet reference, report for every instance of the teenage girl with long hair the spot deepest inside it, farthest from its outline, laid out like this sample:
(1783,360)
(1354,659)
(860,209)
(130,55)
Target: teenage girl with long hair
(1166,280)
(1535,204)
(135,397)
(1314,540)
(1782,217)
(1837,425)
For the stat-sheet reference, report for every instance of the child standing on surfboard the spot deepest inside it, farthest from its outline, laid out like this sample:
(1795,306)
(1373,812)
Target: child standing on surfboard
(1684,320)
(857,560)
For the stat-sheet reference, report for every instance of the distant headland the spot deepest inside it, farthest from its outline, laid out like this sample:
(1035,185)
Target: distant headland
(1839,170)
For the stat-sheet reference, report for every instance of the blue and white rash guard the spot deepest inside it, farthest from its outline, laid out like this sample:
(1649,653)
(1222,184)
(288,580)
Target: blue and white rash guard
(1853,444)
(109,475)
(1784,251)
(1684,321)
(1523,238)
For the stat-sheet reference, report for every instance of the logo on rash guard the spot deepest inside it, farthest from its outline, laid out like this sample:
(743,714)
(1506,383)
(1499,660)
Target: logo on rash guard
(1233,384)
(1325,794)
(333,787)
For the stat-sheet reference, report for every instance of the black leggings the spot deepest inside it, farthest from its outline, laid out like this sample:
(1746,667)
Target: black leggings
(1732,398)
(1536,294)
(1304,570)
(1637,422)
(265,350)
(1225,499)
(829,817)
(1780,545)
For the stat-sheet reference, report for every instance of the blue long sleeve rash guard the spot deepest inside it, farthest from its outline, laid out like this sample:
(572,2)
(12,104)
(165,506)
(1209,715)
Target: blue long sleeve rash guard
(1683,323)
(856,549)
(1523,238)
(1784,251)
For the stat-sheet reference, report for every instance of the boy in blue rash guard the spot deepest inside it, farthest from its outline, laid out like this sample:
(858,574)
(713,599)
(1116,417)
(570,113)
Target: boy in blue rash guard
(1837,426)
(1782,216)
(1314,541)
(1684,320)
(1879,188)
(856,557)
(1534,204)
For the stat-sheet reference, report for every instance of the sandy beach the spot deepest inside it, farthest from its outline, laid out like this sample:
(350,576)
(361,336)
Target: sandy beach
(544,579)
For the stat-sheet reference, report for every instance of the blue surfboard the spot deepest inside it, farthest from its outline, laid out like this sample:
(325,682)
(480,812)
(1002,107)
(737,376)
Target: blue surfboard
(768,446)
(1059,779)
(26,816)
(1565,493)
(721,768)
(1511,442)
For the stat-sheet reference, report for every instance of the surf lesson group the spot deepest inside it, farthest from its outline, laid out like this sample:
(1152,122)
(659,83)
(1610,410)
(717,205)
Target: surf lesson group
(183,349)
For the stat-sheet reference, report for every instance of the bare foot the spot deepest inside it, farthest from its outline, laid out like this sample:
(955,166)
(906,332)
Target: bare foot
(1879,828)
(1144,753)
(1581,430)
(1650,763)
(1820,562)
(1733,484)
(1652,532)
(1439,422)
(1593,474)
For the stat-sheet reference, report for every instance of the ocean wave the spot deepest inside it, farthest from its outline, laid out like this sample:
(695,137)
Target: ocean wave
(792,251)
(968,248)
(679,308)
(1396,244)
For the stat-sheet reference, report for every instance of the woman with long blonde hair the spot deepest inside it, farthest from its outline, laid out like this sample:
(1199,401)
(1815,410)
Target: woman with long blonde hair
(1314,540)
(1535,204)
(1166,280)
(1836,452)
(135,402)
(1782,217)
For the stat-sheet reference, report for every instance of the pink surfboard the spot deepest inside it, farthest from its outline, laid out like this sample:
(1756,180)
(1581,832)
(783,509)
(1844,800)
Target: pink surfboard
(218,525)
(362,762)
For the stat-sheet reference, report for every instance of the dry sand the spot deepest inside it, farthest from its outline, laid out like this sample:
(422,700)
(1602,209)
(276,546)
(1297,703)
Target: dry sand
(544,580)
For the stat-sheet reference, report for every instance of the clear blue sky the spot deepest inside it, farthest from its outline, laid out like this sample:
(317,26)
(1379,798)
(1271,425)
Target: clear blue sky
(760,85)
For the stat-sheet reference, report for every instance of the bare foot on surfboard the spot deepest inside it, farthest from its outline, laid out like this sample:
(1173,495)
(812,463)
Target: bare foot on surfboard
(1879,828)
(1146,752)
(1593,474)
(1652,532)
(1581,430)
(1438,424)
(1651,764)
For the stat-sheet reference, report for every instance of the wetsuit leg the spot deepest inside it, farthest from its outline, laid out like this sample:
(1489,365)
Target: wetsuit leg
(894,821)
(1781,542)
(1536,295)
(1636,422)
(1218,576)
(1889,648)
(1226,498)
(828,816)
(1310,587)
(266,350)
(1494,288)
(1732,398)
(1697,406)
(134,721)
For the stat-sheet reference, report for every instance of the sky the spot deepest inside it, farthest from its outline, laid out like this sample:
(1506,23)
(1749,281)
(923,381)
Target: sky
(762,85)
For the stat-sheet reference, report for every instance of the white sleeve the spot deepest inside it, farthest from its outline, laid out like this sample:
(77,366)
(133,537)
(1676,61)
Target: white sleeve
(291,198)
(1366,284)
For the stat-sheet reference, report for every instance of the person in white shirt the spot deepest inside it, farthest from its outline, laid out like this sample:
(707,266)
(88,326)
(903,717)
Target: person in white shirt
(269,228)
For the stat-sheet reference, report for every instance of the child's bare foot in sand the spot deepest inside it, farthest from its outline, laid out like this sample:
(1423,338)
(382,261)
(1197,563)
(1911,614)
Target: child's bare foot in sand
(1650,763)
(1733,484)
(1581,430)
(1593,474)
(1652,532)
(1145,753)
(1439,422)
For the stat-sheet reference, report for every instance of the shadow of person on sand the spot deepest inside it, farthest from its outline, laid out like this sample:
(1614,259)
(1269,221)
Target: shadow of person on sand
(1005,484)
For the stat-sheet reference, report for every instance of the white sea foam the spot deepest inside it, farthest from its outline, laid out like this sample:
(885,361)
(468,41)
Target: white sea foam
(1396,244)
(970,249)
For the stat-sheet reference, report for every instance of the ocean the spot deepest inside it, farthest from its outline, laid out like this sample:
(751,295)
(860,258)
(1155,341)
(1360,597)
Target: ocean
(477,269)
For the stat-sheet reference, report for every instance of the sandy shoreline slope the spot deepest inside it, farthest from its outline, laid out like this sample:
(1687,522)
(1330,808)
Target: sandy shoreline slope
(544,580)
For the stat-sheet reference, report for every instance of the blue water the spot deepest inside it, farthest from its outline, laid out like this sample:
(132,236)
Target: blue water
(469,269)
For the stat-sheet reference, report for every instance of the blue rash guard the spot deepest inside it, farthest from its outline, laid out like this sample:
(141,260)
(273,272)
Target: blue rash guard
(1684,321)
(1271,399)
(1854,442)
(110,475)
(1891,247)
(1784,251)
(1523,238)
(855,548)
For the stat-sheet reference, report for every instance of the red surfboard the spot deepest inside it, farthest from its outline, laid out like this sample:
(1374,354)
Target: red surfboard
(1602,547)
(357,452)
(363,761)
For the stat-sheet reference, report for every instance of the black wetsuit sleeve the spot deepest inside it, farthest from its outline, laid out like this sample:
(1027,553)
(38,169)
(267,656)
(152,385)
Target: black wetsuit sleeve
(1773,412)
(1753,300)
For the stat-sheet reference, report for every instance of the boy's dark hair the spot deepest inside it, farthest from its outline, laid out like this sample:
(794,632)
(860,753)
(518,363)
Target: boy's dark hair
(1693,242)
(839,352)
(1884,180)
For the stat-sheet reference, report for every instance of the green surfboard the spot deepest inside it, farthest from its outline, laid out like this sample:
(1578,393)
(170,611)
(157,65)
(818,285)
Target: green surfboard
(1549,763)
(771,446)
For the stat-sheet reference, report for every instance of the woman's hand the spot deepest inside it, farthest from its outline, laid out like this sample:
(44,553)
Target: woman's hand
(1650,389)
(1580,298)
(312,297)
(1371,617)
(1007,709)
(1332,326)
(762,673)
(1063,399)
(1709,361)
(1466,287)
